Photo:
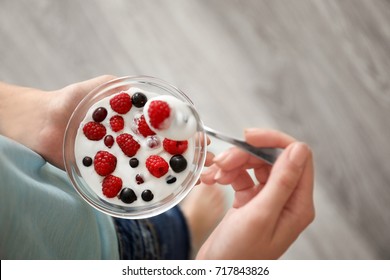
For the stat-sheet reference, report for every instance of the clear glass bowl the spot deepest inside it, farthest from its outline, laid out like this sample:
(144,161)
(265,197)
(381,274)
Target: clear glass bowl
(90,194)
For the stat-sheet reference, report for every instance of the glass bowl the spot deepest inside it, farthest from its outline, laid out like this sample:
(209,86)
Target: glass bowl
(89,184)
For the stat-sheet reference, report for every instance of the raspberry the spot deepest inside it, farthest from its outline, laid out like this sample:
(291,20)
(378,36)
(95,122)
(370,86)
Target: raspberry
(117,123)
(94,131)
(157,166)
(104,163)
(128,144)
(111,185)
(121,103)
(175,147)
(158,112)
(144,128)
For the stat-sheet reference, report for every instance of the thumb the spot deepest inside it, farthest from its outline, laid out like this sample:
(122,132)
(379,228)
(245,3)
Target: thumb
(74,93)
(284,178)
(88,85)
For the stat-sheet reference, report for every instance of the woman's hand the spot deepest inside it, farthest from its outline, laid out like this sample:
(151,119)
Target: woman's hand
(38,119)
(268,215)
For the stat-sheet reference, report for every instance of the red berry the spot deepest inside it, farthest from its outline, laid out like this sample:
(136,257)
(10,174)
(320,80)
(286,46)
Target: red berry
(111,185)
(94,131)
(109,141)
(121,103)
(104,163)
(144,128)
(158,112)
(175,147)
(157,166)
(139,179)
(117,123)
(128,144)
(99,114)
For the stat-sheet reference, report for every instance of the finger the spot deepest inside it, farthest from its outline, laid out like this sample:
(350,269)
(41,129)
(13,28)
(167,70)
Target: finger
(301,204)
(74,93)
(262,173)
(227,177)
(209,158)
(243,181)
(208,141)
(304,191)
(242,184)
(284,179)
(244,196)
(88,85)
(239,179)
(267,138)
(231,158)
(300,207)
(234,158)
(208,174)
(200,137)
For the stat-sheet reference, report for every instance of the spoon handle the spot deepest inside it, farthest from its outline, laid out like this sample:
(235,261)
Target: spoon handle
(268,155)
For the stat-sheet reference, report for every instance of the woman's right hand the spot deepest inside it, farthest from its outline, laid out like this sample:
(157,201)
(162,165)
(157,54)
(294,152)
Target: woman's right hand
(267,214)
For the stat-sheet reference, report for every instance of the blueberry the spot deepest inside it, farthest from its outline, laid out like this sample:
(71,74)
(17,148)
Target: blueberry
(178,163)
(87,161)
(134,162)
(170,179)
(139,99)
(99,114)
(127,195)
(147,195)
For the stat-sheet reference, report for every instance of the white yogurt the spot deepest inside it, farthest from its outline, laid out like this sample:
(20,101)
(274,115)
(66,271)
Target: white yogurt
(158,186)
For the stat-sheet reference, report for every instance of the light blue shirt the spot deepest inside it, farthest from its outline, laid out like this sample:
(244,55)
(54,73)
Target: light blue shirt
(42,216)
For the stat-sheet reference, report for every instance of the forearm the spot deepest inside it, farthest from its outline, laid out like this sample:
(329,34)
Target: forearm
(38,119)
(9,94)
(23,113)
(15,103)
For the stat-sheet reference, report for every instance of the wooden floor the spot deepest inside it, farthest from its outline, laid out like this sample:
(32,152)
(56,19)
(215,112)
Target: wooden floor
(319,70)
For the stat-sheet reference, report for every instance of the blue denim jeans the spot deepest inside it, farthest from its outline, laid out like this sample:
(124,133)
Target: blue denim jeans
(165,236)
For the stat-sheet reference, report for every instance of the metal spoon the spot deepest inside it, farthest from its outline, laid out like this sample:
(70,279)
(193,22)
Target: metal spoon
(268,155)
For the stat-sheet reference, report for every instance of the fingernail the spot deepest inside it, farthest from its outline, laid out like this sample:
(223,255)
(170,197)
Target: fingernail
(299,154)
